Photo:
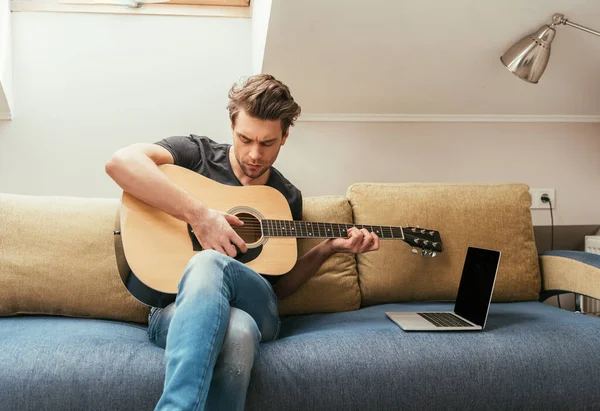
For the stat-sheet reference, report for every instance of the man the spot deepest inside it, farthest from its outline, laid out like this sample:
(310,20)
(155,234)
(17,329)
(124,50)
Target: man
(223,308)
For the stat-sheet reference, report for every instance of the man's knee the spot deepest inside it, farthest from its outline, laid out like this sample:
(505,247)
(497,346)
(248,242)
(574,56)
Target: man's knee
(241,345)
(208,259)
(205,267)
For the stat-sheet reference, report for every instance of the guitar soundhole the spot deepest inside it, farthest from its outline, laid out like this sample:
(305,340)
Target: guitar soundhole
(250,232)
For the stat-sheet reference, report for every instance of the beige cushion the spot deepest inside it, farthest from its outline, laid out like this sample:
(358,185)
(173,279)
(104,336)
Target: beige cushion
(481,215)
(335,286)
(57,257)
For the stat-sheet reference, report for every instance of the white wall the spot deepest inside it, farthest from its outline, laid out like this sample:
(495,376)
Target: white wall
(5,61)
(85,85)
(325,158)
(431,57)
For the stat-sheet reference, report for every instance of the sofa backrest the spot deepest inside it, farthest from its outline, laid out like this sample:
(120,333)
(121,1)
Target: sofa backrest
(335,286)
(57,257)
(495,216)
(57,254)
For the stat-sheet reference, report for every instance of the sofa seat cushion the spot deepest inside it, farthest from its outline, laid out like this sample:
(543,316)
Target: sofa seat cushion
(530,356)
(60,363)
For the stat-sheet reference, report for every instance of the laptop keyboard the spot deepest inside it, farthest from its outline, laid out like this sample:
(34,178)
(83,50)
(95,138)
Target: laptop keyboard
(444,320)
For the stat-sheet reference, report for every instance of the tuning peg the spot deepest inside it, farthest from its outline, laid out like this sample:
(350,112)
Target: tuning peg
(423,252)
(432,254)
(414,251)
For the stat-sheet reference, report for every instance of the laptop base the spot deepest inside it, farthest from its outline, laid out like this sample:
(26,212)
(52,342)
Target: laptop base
(412,321)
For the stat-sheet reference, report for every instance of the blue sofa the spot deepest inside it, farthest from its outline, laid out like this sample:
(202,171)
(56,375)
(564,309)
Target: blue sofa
(531,356)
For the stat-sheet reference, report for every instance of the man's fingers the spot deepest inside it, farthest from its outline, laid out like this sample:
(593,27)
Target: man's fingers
(375,244)
(233,220)
(231,250)
(236,239)
(366,241)
(354,235)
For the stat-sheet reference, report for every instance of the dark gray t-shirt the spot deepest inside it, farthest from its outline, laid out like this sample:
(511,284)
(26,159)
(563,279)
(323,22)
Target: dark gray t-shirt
(211,159)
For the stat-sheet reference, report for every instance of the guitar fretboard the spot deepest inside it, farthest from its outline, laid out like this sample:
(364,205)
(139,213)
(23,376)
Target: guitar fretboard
(306,229)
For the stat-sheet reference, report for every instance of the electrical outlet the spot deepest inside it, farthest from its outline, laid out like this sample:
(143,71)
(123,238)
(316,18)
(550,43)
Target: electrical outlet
(536,198)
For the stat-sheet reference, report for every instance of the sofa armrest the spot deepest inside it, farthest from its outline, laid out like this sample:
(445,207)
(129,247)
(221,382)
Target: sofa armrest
(566,271)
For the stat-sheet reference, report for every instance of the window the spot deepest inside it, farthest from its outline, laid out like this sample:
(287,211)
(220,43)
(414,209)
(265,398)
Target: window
(215,8)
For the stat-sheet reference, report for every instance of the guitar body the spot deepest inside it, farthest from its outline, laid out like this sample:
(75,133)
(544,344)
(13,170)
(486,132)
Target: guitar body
(158,246)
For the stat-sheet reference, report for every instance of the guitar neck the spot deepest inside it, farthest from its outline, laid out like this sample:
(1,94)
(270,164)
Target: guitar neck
(306,229)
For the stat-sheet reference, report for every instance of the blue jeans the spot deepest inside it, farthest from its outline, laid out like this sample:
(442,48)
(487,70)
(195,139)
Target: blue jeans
(211,333)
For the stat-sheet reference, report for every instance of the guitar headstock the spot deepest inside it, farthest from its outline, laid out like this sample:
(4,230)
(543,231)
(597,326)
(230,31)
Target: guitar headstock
(429,241)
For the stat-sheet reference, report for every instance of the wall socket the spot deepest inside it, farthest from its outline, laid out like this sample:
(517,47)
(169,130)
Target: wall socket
(536,198)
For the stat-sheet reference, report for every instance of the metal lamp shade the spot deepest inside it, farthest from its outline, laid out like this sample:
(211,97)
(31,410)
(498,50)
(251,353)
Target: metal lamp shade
(528,58)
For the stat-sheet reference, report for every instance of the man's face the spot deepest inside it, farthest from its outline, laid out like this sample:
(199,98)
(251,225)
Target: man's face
(256,143)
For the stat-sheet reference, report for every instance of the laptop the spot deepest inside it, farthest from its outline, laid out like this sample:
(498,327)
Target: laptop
(472,300)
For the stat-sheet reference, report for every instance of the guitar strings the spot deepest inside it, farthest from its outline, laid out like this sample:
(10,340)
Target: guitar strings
(315,228)
(258,233)
(302,222)
(258,228)
(278,226)
(319,226)
(255,227)
(254,223)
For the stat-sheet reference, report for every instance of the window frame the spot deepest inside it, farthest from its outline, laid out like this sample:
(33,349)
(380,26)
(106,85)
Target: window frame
(206,8)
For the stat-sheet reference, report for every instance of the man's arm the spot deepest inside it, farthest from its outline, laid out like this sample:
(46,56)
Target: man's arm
(358,241)
(135,170)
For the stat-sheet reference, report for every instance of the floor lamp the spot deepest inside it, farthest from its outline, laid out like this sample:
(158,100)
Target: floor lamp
(528,57)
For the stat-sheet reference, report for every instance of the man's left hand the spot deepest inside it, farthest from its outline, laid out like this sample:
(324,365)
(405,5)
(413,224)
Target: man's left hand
(358,241)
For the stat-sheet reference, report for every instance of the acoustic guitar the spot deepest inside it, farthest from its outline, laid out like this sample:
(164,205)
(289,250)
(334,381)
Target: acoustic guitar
(157,246)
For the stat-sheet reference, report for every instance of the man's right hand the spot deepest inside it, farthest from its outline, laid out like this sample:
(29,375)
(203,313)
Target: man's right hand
(214,232)
(135,170)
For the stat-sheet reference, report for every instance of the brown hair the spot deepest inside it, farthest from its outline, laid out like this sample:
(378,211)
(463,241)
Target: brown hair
(264,97)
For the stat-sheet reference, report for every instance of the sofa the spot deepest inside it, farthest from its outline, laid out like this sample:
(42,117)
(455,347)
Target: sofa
(73,338)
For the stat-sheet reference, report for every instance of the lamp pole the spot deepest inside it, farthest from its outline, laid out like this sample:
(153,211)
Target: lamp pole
(560,19)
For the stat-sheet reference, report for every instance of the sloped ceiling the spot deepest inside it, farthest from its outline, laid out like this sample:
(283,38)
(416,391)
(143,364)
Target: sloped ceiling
(431,57)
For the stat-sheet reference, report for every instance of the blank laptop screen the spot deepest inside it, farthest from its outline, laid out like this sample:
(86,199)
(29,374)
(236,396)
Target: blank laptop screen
(477,284)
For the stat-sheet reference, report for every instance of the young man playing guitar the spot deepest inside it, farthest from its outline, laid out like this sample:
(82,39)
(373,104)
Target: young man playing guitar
(223,308)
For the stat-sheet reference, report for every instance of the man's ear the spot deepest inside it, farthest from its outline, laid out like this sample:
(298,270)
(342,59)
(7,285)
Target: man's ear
(285,136)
